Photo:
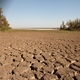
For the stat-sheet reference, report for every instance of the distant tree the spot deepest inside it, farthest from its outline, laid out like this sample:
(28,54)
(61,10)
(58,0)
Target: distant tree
(63,26)
(4,25)
(1,17)
(71,25)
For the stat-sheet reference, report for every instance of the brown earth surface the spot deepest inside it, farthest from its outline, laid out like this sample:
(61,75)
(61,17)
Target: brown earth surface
(39,56)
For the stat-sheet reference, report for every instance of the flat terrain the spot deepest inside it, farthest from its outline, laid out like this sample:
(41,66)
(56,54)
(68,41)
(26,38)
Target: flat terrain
(39,55)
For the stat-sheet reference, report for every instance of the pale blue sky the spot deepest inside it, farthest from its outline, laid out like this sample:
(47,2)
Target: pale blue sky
(41,13)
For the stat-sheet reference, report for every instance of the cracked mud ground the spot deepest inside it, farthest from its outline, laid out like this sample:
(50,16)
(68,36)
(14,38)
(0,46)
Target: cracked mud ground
(39,56)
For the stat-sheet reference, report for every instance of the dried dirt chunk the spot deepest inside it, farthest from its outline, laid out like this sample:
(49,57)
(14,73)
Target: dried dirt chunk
(77,77)
(64,74)
(75,67)
(49,77)
(22,67)
(77,64)
(28,75)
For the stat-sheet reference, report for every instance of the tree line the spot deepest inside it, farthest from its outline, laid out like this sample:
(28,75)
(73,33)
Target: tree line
(71,25)
(4,25)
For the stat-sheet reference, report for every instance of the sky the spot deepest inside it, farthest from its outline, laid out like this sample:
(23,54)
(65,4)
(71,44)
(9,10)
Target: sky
(40,13)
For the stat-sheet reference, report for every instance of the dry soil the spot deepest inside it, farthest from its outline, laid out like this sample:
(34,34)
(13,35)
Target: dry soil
(39,55)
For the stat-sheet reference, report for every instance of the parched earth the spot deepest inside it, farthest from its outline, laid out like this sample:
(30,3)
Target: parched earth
(40,56)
